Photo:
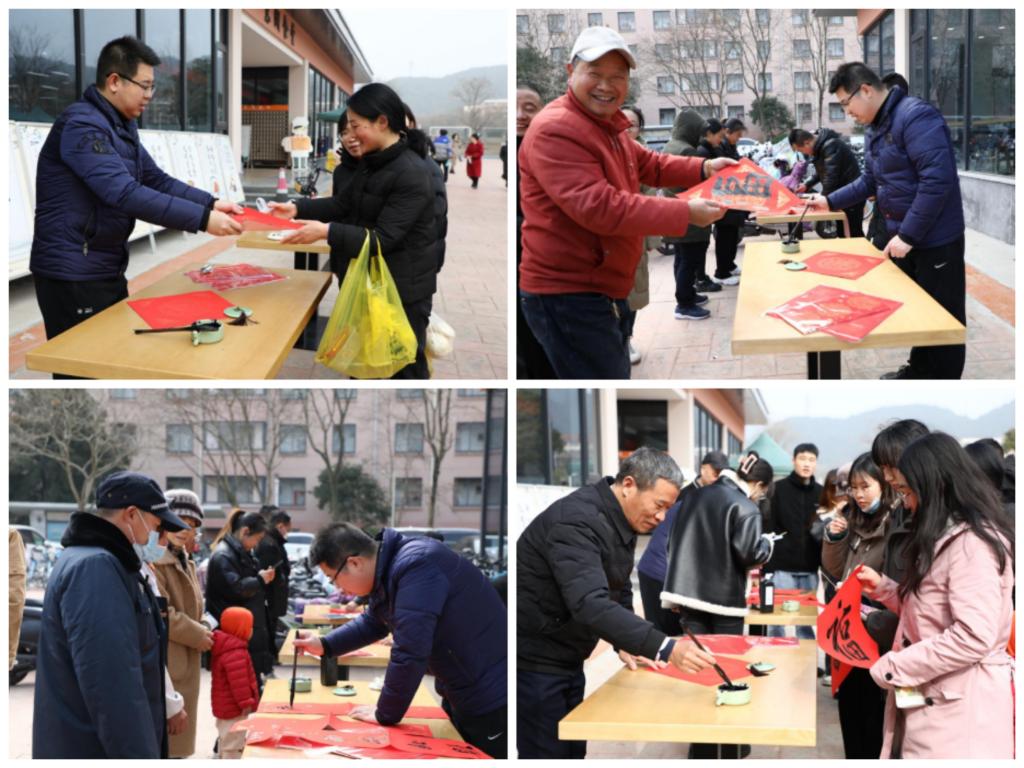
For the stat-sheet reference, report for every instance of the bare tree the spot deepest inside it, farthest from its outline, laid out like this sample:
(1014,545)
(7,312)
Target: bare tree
(324,412)
(70,428)
(817,36)
(472,92)
(439,435)
(750,38)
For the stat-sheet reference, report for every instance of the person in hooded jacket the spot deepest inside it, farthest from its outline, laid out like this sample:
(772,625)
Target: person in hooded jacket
(234,691)
(391,199)
(271,553)
(835,166)
(727,229)
(440,188)
(446,620)
(234,577)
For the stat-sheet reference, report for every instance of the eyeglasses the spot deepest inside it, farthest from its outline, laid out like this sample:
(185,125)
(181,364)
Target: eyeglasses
(344,565)
(844,103)
(147,89)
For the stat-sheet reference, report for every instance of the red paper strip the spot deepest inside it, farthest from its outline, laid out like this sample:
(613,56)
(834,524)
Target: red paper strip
(738,645)
(856,330)
(416,729)
(805,598)
(746,187)
(736,669)
(342,708)
(824,307)
(846,265)
(224,277)
(839,671)
(426,713)
(436,747)
(841,633)
(254,221)
(180,309)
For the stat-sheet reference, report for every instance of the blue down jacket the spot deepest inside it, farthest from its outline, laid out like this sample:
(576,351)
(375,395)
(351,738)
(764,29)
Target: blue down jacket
(910,167)
(447,620)
(93,180)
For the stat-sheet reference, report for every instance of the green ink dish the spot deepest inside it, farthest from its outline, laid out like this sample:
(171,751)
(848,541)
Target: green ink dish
(345,690)
(792,606)
(303,684)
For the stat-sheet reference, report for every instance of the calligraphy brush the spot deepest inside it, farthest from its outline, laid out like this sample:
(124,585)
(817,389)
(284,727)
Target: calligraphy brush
(718,669)
(211,326)
(295,669)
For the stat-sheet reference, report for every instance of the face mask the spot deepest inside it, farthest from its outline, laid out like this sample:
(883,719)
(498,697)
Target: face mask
(874,506)
(151,551)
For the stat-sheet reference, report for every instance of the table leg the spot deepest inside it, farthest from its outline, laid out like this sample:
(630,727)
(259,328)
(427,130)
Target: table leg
(343,672)
(310,261)
(824,365)
(310,336)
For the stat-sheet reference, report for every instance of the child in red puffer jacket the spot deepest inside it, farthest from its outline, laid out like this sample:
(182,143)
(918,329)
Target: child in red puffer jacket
(235,693)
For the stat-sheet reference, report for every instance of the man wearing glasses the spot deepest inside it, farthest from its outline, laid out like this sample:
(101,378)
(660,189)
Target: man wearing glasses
(910,168)
(94,180)
(446,620)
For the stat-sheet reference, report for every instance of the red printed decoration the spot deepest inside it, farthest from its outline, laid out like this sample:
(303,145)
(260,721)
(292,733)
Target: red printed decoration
(847,315)
(736,669)
(224,277)
(746,187)
(254,221)
(849,266)
(180,309)
(841,633)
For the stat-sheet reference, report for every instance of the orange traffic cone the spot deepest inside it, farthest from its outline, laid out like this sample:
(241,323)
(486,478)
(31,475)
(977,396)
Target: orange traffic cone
(281,196)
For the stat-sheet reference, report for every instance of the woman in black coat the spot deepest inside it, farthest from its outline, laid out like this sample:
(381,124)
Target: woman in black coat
(392,196)
(234,578)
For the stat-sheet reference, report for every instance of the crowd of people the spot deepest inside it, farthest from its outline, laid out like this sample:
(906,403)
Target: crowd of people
(928,522)
(592,202)
(126,623)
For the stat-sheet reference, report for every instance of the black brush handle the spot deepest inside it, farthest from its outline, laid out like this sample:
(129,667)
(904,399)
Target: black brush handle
(718,669)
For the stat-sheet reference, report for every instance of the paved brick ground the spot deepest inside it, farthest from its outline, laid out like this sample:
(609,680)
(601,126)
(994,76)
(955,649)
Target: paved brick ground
(685,349)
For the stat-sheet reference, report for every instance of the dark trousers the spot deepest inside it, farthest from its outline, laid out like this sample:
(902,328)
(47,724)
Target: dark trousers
(855,216)
(703,623)
(444,168)
(650,594)
(727,239)
(487,732)
(688,266)
(940,272)
(628,321)
(583,334)
(542,700)
(66,303)
(861,715)
(418,313)
(475,180)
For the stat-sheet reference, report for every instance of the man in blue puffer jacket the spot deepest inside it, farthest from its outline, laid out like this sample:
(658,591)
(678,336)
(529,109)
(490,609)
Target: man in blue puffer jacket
(910,168)
(94,180)
(446,618)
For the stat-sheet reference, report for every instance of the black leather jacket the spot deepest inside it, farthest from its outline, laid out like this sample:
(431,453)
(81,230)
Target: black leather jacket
(715,541)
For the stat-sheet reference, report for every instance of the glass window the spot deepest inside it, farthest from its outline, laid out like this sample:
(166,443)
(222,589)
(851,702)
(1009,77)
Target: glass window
(346,394)
(732,49)
(734,112)
(991,139)
(834,47)
(522,24)
(666,116)
(41,64)
(408,492)
(350,438)
(162,31)
(558,55)
(565,437)
(707,434)
(666,85)
(531,443)
(595,19)
(735,447)
(215,489)
(471,392)
(556,22)
(293,439)
(766,81)
(293,394)
(100,27)
(124,394)
(835,112)
(662,19)
(409,394)
(802,81)
(469,492)
(835,21)
(888,61)
(408,438)
(178,394)
(627,21)
(591,443)
(710,49)
(291,491)
(234,435)
(734,83)
(220,88)
(946,75)
(642,423)
(178,483)
(662,51)
(764,49)
(872,47)
(798,17)
(763,16)
(804,114)
(918,75)
(198,63)
(179,438)
(469,437)
(801,49)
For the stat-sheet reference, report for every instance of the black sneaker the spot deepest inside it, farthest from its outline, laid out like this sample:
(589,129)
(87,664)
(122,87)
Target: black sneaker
(905,372)
(691,313)
(706,285)
(700,300)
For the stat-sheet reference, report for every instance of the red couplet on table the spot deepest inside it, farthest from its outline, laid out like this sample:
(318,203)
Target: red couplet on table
(734,668)
(342,708)
(254,221)
(739,644)
(180,309)
(841,633)
(805,598)
(846,265)
(848,315)
(224,277)
(746,186)
(425,745)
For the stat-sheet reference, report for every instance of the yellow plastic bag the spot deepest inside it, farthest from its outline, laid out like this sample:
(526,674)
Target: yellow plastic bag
(368,335)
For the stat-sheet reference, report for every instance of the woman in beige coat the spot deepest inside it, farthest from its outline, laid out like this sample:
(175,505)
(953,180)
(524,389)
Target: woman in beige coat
(188,636)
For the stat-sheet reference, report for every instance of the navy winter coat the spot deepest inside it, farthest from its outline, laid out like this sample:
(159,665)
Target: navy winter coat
(102,652)
(447,620)
(910,167)
(93,180)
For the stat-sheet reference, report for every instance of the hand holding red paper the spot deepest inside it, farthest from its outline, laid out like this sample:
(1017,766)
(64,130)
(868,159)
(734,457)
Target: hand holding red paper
(869,579)
(308,232)
(254,221)
(744,186)
(283,210)
(841,633)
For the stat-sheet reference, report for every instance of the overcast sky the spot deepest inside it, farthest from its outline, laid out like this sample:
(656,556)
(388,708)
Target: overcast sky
(427,42)
(824,399)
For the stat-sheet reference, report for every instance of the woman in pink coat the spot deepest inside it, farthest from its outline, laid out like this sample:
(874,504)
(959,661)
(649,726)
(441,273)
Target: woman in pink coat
(955,612)
(475,159)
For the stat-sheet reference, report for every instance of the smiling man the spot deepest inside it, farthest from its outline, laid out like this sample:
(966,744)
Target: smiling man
(574,563)
(584,216)
(94,180)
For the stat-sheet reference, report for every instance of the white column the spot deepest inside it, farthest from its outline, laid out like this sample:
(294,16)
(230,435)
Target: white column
(298,92)
(608,427)
(902,32)
(234,84)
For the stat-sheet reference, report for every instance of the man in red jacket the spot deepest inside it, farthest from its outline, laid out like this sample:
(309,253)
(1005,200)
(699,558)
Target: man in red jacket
(584,216)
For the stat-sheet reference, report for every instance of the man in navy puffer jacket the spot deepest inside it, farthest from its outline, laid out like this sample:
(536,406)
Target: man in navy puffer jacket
(910,168)
(446,618)
(94,180)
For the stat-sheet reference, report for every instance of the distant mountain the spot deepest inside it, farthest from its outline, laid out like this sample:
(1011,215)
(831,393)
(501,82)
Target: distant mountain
(433,95)
(843,439)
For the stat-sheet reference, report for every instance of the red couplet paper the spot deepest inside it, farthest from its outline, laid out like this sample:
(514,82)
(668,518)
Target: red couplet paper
(846,265)
(254,221)
(737,645)
(181,309)
(425,745)
(342,708)
(841,633)
(839,672)
(746,187)
(736,669)
(805,598)
(848,315)
(224,277)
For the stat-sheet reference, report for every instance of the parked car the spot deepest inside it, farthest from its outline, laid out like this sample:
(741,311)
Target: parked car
(450,536)
(745,146)
(297,545)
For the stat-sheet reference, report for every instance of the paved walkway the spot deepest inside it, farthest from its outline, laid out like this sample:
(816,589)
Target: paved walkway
(685,349)
(472,287)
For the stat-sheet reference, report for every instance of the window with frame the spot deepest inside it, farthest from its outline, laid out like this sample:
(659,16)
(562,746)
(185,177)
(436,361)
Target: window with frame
(834,47)
(765,80)
(522,24)
(835,21)
(801,81)
(710,49)
(216,487)
(293,394)
(805,113)
(350,438)
(470,437)
(666,84)
(408,492)
(178,394)
(627,21)
(763,16)
(408,438)
(732,50)
(178,483)
(179,438)
(835,112)
(801,49)
(662,51)
(662,19)
(666,116)
(689,49)
(736,112)
(471,392)
(595,19)
(293,439)
(558,55)
(734,83)
(469,492)
(124,394)
(234,435)
(764,49)
(291,491)
(707,434)
(409,394)
(798,17)
(346,394)
(556,23)
(41,77)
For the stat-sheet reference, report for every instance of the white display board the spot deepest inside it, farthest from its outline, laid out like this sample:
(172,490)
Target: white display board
(186,158)
(229,169)
(32,136)
(19,206)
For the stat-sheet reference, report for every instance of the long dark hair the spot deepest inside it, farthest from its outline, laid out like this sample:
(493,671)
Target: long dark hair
(376,99)
(890,442)
(989,457)
(949,489)
(239,519)
(865,465)
(829,498)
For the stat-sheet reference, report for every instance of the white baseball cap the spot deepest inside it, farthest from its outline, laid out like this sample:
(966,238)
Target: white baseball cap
(595,42)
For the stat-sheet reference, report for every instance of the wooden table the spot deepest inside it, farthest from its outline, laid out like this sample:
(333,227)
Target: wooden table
(645,706)
(793,218)
(321,615)
(919,322)
(104,346)
(807,616)
(277,690)
(380,658)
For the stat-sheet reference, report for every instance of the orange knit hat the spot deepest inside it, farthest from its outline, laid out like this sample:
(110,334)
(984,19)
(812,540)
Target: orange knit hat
(237,621)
